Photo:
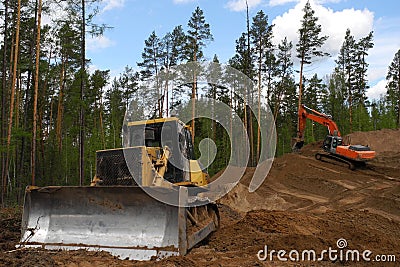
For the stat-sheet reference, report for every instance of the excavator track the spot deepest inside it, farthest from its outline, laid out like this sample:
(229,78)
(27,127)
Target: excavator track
(353,165)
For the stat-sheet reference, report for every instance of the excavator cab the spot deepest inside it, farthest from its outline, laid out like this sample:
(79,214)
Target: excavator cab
(331,142)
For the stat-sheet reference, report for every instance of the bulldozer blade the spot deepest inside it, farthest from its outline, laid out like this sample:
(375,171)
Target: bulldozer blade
(122,220)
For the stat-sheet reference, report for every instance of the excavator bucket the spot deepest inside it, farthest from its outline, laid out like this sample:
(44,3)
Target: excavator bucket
(122,220)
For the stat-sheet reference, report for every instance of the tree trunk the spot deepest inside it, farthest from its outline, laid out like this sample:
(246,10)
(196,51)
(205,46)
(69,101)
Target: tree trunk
(50,117)
(60,106)
(45,87)
(82,113)
(157,82)
(299,135)
(398,93)
(14,78)
(277,105)
(101,121)
(4,90)
(167,93)
(259,105)
(35,96)
(194,89)
(350,101)
(214,123)
(249,94)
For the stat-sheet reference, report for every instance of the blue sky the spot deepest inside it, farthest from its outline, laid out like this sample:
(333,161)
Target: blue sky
(134,20)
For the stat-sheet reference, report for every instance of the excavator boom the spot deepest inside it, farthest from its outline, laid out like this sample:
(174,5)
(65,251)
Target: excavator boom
(305,113)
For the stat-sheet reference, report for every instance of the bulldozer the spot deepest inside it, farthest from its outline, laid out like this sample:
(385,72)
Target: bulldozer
(334,148)
(137,206)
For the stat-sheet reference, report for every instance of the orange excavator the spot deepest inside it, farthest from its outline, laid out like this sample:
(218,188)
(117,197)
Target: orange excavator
(333,146)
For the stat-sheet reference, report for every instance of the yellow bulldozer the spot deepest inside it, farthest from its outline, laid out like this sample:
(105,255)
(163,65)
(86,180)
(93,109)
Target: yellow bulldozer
(138,205)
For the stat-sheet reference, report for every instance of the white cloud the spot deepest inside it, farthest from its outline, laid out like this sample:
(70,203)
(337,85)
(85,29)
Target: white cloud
(240,5)
(280,2)
(111,4)
(97,43)
(374,92)
(333,23)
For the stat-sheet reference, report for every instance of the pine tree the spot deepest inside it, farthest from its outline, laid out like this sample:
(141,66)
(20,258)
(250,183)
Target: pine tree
(314,92)
(117,98)
(172,52)
(151,64)
(4,93)
(198,35)
(284,73)
(393,86)
(352,67)
(345,70)
(151,56)
(261,38)
(35,116)
(5,174)
(362,47)
(309,43)
(261,35)
(178,44)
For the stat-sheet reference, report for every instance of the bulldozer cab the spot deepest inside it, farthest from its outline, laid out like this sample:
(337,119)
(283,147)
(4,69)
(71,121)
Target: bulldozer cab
(157,134)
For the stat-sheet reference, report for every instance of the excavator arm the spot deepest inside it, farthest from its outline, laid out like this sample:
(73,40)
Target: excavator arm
(305,113)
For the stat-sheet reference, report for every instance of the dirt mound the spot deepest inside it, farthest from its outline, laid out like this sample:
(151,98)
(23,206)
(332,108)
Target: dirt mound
(386,140)
(10,225)
(302,231)
(301,183)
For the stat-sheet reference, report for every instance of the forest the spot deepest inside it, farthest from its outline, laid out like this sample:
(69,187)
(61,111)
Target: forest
(56,113)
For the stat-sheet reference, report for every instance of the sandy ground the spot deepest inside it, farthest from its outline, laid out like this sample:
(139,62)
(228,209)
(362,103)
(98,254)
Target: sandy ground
(304,204)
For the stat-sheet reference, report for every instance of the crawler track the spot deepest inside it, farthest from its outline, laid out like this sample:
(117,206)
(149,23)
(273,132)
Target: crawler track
(352,164)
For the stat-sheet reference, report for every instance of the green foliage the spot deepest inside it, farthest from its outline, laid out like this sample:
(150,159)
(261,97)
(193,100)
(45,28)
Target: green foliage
(151,56)
(262,50)
(309,37)
(342,94)
(393,87)
(352,68)
(198,35)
